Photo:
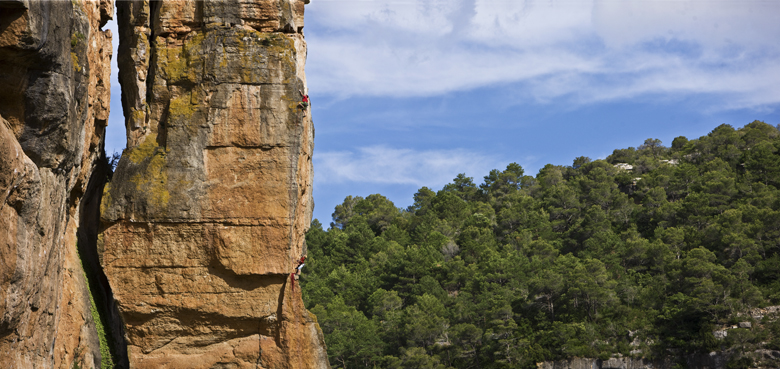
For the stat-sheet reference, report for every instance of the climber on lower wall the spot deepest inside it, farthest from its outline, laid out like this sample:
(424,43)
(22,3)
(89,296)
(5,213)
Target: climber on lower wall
(301,263)
(304,104)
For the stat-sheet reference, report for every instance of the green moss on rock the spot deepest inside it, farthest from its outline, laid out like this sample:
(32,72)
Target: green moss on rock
(144,150)
(181,107)
(99,316)
(181,63)
(152,175)
(106,201)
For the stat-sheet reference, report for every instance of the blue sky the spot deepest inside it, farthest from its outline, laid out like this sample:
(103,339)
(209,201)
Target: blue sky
(409,93)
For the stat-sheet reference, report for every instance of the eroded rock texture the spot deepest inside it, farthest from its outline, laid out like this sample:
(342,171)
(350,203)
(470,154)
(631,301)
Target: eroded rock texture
(206,213)
(712,360)
(54,84)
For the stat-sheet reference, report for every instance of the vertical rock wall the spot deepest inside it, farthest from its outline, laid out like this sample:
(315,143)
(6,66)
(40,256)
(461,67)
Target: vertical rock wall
(206,213)
(54,98)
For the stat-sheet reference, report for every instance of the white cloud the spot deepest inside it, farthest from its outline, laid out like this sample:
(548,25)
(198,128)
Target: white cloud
(713,24)
(386,165)
(585,51)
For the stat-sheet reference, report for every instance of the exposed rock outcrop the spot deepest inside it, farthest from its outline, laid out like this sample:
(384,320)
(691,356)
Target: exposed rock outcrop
(701,361)
(207,210)
(54,100)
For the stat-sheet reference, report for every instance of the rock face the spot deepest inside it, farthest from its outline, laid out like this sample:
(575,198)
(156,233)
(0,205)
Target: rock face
(54,100)
(206,214)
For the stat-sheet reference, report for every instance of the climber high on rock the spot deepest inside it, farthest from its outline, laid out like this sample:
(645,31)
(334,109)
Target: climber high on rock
(304,104)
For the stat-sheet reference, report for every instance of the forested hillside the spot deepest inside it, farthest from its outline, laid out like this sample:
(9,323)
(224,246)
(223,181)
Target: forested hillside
(653,252)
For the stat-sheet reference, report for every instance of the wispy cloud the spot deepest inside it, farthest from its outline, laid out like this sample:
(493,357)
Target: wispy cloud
(386,165)
(584,51)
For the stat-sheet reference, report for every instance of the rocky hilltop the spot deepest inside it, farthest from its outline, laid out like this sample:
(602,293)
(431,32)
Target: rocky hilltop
(205,217)
(54,84)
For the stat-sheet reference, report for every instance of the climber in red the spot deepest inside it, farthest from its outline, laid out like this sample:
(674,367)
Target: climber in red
(304,104)
(301,263)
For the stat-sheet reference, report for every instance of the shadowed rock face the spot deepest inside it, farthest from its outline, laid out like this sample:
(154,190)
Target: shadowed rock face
(54,84)
(206,214)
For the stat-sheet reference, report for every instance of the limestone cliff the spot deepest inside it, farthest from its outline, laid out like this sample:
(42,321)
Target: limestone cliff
(206,213)
(54,84)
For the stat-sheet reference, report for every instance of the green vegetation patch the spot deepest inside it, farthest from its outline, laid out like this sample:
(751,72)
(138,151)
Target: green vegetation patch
(99,315)
(654,252)
(77,38)
(75,60)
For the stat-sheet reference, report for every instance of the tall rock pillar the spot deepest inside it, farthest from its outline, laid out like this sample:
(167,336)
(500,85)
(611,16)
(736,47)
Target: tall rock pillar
(206,214)
(54,98)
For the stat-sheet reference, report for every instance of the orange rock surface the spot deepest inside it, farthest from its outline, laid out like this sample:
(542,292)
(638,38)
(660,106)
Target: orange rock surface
(206,214)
